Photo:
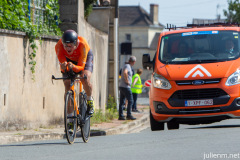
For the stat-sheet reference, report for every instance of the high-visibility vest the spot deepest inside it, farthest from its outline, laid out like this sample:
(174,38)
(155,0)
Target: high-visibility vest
(137,88)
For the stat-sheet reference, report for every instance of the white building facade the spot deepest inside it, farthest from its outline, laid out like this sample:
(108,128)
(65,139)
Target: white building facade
(142,30)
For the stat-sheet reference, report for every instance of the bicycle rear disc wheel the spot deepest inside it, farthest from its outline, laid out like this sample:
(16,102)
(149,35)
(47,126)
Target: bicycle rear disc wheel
(70,131)
(85,127)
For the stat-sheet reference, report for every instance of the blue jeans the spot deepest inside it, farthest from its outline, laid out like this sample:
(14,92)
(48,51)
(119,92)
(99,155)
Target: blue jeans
(135,95)
(125,92)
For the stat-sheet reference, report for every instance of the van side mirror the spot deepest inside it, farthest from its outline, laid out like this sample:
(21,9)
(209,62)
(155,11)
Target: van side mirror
(147,64)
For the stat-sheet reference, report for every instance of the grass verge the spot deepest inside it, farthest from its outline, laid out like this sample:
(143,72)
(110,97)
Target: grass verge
(100,117)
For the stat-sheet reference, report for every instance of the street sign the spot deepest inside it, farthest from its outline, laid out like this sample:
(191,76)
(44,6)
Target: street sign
(148,83)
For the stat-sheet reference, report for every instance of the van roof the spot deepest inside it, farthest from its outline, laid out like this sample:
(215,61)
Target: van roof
(218,24)
(202,27)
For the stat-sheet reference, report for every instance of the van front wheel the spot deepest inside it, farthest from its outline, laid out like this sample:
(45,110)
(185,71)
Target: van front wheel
(155,125)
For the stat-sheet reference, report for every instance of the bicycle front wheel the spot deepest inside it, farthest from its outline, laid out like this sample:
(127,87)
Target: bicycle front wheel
(70,122)
(85,127)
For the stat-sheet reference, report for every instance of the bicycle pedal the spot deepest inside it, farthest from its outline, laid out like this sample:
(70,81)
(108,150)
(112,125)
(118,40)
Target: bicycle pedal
(88,116)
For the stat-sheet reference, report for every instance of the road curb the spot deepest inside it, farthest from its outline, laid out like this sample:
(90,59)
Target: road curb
(129,127)
(30,137)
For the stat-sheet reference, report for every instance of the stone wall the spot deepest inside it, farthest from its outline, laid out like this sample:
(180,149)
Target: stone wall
(27,103)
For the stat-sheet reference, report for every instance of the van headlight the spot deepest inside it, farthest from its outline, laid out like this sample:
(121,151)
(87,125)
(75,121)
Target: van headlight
(161,82)
(233,79)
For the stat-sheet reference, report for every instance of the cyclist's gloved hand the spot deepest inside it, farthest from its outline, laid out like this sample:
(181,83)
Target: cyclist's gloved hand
(70,65)
(63,66)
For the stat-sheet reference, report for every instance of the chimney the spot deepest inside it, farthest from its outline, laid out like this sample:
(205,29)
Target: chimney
(154,13)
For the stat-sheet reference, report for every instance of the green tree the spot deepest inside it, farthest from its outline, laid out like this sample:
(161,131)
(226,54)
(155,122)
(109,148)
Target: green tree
(14,15)
(88,4)
(233,12)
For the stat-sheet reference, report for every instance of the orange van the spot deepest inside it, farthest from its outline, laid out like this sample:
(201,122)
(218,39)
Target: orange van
(196,76)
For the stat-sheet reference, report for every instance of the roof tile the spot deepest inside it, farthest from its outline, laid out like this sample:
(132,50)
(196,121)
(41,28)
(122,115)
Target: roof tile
(134,16)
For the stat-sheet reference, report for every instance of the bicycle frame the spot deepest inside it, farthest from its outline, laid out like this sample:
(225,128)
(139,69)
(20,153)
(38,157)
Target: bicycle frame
(72,87)
(81,120)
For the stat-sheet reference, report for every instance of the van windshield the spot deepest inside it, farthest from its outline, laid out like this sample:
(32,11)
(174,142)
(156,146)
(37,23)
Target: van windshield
(199,47)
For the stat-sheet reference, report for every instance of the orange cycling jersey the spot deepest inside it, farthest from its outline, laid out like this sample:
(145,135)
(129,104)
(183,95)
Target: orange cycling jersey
(79,54)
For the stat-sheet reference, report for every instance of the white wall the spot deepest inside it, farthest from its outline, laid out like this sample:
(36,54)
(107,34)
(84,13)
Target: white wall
(24,97)
(141,40)
(139,35)
(151,34)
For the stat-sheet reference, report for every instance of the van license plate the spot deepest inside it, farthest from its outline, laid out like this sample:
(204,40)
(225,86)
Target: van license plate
(205,102)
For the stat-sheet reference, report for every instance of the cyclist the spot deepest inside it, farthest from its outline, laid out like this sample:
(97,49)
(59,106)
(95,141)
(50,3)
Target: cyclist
(74,53)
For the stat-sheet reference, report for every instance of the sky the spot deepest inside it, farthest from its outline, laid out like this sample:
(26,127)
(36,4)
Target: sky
(181,12)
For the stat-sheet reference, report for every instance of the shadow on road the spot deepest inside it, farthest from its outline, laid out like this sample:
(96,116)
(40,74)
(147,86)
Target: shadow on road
(37,144)
(219,126)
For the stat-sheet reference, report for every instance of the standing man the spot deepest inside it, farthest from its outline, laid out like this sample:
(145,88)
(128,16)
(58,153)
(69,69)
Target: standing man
(125,89)
(136,88)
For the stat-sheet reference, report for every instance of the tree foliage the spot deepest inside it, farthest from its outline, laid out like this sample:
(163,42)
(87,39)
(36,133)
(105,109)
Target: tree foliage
(88,4)
(14,15)
(233,12)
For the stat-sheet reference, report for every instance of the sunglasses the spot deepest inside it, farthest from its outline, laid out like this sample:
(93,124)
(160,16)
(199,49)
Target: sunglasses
(69,45)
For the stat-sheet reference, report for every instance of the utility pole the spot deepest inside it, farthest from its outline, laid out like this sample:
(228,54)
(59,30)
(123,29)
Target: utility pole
(116,55)
(113,51)
(218,15)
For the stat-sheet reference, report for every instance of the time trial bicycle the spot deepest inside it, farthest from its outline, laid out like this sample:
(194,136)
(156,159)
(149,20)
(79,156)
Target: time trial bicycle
(78,102)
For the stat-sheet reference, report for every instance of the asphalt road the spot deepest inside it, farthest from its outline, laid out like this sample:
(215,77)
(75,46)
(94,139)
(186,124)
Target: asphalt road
(215,141)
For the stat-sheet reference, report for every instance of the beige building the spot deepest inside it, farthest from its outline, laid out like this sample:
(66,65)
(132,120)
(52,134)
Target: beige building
(142,30)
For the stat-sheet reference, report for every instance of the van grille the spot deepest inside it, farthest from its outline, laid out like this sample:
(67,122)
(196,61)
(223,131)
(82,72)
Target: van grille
(204,81)
(199,93)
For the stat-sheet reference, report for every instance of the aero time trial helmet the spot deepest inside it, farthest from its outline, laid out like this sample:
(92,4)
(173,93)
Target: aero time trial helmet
(69,36)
